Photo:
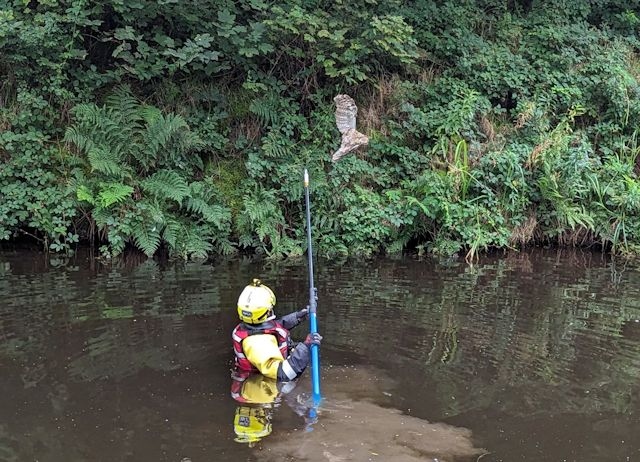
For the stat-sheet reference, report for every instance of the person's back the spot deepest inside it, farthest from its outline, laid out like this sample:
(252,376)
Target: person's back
(263,343)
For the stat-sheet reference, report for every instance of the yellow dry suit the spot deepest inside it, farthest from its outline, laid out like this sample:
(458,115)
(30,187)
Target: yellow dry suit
(264,348)
(263,352)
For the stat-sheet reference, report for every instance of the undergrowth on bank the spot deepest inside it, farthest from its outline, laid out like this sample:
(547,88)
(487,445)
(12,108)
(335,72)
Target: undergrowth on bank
(185,128)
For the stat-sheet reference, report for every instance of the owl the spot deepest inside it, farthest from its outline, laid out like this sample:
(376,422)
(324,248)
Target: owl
(346,111)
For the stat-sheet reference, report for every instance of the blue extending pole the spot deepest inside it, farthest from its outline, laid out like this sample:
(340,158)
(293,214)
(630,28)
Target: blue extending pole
(313,299)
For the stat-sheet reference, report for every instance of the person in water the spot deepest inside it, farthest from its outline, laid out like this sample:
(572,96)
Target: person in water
(263,343)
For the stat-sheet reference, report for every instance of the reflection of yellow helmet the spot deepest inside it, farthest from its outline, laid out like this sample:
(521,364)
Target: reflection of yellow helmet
(256,302)
(251,424)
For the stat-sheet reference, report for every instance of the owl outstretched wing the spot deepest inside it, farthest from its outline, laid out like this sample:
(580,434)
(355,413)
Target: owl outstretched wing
(346,112)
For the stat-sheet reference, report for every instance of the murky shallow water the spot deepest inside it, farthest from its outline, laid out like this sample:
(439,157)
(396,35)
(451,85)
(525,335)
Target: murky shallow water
(531,356)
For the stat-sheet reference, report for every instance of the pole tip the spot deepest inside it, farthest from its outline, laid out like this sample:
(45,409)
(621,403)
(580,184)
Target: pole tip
(306,178)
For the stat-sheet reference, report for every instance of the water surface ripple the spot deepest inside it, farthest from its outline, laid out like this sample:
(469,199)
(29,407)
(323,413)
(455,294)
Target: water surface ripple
(524,356)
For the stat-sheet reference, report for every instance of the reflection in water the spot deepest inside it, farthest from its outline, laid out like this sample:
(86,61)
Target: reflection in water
(257,397)
(540,343)
(536,353)
(349,424)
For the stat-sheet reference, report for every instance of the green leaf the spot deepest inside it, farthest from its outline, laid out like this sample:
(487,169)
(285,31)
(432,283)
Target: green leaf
(167,184)
(112,193)
(85,194)
(146,238)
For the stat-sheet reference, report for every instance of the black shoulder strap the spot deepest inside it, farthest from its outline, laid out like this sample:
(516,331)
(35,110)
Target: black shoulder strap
(259,329)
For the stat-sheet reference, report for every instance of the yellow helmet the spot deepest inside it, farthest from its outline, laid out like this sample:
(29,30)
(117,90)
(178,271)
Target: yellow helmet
(256,302)
(251,424)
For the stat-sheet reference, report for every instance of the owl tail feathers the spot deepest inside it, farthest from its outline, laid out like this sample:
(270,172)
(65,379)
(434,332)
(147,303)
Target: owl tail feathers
(351,140)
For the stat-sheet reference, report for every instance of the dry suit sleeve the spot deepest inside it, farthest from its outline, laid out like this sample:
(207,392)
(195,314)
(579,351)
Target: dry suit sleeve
(291,320)
(262,351)
(295,364)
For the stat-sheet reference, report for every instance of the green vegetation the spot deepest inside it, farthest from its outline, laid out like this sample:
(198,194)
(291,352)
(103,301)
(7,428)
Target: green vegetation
(185,127)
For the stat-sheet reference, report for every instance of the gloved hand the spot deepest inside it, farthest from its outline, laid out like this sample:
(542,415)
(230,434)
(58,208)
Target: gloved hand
(302,314)
(313,339)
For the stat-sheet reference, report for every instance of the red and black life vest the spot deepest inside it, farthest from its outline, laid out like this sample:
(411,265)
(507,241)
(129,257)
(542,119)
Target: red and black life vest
(242,331)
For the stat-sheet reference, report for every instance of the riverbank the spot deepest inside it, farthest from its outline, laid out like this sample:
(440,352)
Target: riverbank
(185,131)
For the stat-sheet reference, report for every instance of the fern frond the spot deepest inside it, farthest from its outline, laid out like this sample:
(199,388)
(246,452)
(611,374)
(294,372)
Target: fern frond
(224,246)
(167,184)
(159,131)
(117,241)
(171,233)
(97,126)
(87,114)
(112,193)
(176,144)
(110,131)
(150,113)
(78,138)
(85,194)
(197,205)
(181,147)
(154,137)
(261,205)
(146,238)
(104,161)
(267,110)
(214,214)
(203,202)
(187,239)
(123,105)
(274,145)
(247,241)
(196,243)
(201,190)
(156,211)
(72,161)
(102,217)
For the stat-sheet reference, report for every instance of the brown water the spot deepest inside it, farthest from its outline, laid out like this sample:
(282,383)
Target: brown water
(529,356)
